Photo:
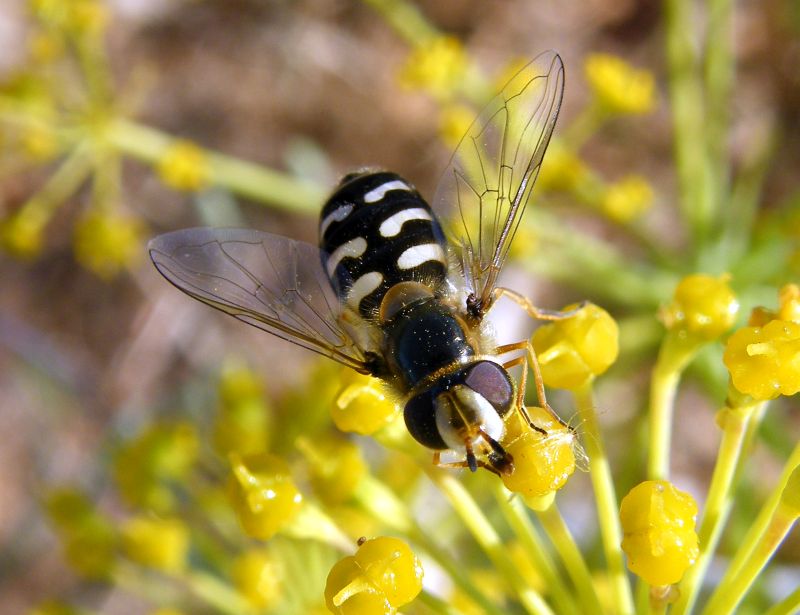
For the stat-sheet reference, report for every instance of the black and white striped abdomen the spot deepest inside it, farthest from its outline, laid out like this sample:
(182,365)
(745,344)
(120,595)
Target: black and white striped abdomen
(375,231)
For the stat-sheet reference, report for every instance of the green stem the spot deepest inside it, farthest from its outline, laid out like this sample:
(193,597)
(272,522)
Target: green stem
(759,528)
(780,525)
(406,19)
(719,78)
(575,564)
(607,505)
(481,529)
(788,606)
(688,117)
(735,421)
(245,178)
(674,354)
(517,517)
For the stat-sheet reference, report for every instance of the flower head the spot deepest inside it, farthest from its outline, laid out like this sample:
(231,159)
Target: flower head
(262,493)
(703,307)
(438,66)
(619,87)
(764,362)
(185,166)
(106,243)
(161,544)
(659,538)
(542,462)
(362,406)
(627,199)
(574,350)
(382,576)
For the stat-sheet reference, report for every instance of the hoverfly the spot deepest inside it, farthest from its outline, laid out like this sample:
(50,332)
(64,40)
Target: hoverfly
(399,289)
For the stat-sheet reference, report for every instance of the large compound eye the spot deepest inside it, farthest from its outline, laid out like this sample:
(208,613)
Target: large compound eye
(493,383)
(420,417)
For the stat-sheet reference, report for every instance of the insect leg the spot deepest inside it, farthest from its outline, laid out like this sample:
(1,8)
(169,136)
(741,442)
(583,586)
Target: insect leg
(533,311)
(463,464)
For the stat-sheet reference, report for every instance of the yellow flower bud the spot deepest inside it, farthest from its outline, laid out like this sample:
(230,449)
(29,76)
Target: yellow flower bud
(106,243)
(703,307)
(362,406)
(764,362)
(788,308)
(242,421)
(618,86)
(21,234)
(454,121)
(542,463)
(262,494)
(185,166)
(437,66)
(659,538)
(161,544)
(562,169)
(257,576)
(335,467)
(382,576)
(574,350)
(91,549)
(627,199)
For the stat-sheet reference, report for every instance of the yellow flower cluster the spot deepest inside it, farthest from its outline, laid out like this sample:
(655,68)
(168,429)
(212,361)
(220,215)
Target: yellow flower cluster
(242,421)
(659,538)
(764,362)
(89,539)
(542,462)
(362,405)
(185,166)
(382,576)
(163,454)
(627,199)
(160,544)
(703,307)
(574,350)
(258,577)
(21,234)
(454,121)
(619,87)
(436,66)
(262,494)
(106,243)
(562,169)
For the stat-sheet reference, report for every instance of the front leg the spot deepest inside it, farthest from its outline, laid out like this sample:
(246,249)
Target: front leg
(533,311)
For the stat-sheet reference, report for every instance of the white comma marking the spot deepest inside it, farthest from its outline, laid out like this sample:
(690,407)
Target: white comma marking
(363,286)
(392,225)
(351,249)
(376,194)
(416,255)
(337,215)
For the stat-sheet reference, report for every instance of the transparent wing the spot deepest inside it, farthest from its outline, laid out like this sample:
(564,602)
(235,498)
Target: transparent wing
(483,193)
(272,282)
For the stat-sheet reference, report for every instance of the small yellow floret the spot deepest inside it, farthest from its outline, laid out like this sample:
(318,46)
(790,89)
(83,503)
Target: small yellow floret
(562,169)
(659,538)
(574,350)
(22,234)
(185,166)
(454,121)
(257,575)
(382,576)
(262,493)
(619,87)
(788,308)
(242,421)
(542,463)
(335,467)
(627,199)
(106,243)
(703,306)
(362,406)
(161,544)
(764,362)
(437,66)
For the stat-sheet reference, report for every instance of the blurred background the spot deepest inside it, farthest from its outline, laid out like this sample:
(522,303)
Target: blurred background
(95,346)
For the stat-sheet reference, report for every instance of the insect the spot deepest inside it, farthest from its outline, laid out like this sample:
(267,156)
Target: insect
(397,288)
